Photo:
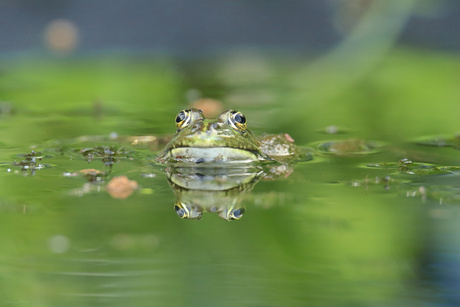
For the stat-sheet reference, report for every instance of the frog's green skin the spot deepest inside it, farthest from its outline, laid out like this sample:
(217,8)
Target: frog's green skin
(223,140)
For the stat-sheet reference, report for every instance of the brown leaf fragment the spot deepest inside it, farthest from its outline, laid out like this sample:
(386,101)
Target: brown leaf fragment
(121,187)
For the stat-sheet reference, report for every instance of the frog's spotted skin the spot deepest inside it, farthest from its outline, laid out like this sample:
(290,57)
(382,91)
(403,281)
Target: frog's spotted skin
(223,140)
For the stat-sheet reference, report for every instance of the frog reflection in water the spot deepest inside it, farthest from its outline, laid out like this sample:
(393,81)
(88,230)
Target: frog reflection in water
(223,140)
(214,190)
(233,155)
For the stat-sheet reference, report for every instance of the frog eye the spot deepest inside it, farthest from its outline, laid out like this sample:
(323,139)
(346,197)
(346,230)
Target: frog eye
(238,120)
(187,211)
(182,212)
(236,214)
(183,119)
(232,214)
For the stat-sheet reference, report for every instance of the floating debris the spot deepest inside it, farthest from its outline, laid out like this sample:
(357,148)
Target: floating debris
(30,162)
(108,154)
(121,187)
(153,142)
(91,174)
(415,168)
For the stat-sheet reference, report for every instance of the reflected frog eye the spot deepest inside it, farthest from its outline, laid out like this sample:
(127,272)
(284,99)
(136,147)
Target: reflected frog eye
(187,211)
(182,212)
(183,119)
(236,214)
(238,121)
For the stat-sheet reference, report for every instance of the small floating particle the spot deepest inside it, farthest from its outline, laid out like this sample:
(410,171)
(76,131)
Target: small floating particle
(90,171)
(121,187)
(113,135)
(59,244)
(147,191)
(69,174)
(142,139)
(150,175)
(331,129)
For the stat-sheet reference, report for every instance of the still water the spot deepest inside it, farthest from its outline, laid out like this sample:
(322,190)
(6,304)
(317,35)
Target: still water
(363,221)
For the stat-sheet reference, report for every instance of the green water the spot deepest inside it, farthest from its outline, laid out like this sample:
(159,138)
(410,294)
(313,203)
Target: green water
(357,225)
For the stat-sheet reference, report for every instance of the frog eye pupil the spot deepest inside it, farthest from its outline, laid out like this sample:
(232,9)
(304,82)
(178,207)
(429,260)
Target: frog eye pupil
(238,213)
(180,117)
(240,118)
(238,121)
(180,211)
(183,119)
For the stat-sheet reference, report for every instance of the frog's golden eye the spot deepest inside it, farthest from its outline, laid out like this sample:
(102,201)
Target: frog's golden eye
(238,120)
(183,119)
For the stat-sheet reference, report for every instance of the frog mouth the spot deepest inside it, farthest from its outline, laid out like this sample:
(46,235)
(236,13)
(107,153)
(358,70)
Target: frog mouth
(213,154)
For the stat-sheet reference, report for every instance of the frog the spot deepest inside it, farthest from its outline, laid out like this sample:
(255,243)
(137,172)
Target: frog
(224,140)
